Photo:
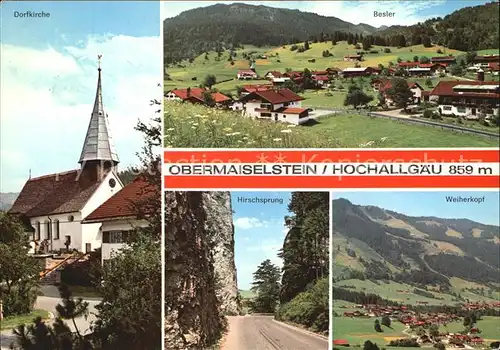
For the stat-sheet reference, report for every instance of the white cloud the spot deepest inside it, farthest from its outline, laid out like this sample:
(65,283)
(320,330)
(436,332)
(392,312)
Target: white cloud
(47,97)
(406,12)
(270,249)
(247,223)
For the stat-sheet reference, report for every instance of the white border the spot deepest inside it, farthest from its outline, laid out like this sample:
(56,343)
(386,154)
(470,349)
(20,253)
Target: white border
(187,150)
(330,274)
(162,156)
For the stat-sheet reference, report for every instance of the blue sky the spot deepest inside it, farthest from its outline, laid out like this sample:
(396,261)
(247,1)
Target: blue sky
(259,232)
(48,79)
(406,12)
(431,204)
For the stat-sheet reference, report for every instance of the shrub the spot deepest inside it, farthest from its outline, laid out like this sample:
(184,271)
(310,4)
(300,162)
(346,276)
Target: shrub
(309,308)
(428,113)
(387,50)
(439,51)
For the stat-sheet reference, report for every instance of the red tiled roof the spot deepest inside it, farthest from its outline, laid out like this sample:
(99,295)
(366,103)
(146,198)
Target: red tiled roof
(494,66)
(247,72)
(408,64)
(253,88)
(340,342)
(218,97)
(445,88)
(487,58)
(122,203)
(321,77)
(291,110)
(55,194)
(275,73)
(197,93)
(274,96)
(184,95)
(388,84)
(319,72)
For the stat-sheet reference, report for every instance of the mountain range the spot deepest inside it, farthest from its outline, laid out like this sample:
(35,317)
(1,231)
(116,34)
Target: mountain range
(383,244)
(224,26)
(7,199)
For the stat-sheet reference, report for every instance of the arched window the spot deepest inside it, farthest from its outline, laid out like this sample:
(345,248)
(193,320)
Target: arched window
(56,229)
(47,229)
(37,231)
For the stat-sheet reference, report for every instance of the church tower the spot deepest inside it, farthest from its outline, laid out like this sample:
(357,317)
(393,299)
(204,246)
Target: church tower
(98,155)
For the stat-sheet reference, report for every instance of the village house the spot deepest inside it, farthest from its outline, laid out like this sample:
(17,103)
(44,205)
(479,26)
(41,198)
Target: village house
(443,59)
(382,85)
(468,99)
(53,206)
(353,57)
(246,74)
(119,216)
(273,74)
(197,95)
(357,72)
(486,59)
(277,105)
(422,72)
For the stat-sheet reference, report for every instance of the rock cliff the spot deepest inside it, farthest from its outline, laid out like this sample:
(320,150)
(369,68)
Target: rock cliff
(200,274)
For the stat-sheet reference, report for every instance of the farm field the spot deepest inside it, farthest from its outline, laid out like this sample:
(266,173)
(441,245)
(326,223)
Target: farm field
(489,326)
(390,291)
(195,126)
(358,330)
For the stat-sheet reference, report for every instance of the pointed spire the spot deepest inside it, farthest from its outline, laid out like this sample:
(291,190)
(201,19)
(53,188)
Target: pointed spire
(98,145)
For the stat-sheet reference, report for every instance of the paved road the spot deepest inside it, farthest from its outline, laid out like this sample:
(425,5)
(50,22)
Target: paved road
(49,304)
(263,333)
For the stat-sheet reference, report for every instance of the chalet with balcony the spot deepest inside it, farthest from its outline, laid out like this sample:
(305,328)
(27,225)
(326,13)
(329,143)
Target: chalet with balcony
(486,59)
(357,72)
(246,75)
(383,85)
(277,105)
(353,57)
(469,99)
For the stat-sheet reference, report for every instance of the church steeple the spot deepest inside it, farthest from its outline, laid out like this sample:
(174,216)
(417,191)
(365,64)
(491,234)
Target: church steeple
(98,147)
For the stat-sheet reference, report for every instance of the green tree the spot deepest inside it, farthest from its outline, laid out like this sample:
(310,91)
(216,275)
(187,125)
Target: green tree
(18,270)
(426,41)
(377,326)
(386,321)
(400,93)
(467,321)
(368,345)
(356,97)
(210,80)
(469,56)
(306,45)
(267,287)
(208,99)
(304,253)
(415,58)
(428,82)
(456,70)
(57,336)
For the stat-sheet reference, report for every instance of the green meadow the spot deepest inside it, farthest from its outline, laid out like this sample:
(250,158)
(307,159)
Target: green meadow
(358,330)
(281,58)
(197,126)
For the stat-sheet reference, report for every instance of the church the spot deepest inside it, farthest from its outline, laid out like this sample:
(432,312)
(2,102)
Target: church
(53,206)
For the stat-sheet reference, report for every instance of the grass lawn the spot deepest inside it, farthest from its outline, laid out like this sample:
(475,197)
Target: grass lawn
(489,326)
(13,321)
(473,124)
(196,126)
(355,131)
(358,330)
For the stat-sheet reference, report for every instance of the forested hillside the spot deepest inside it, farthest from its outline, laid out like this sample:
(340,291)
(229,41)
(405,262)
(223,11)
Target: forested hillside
(467,29)
(373,243)
(225,26)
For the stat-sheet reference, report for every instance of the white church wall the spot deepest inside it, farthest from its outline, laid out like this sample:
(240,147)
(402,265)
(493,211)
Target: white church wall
(102,194)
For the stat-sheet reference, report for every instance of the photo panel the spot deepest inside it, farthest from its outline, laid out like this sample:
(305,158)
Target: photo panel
(324,74)
(416,269)
(247,270)
(80,191)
